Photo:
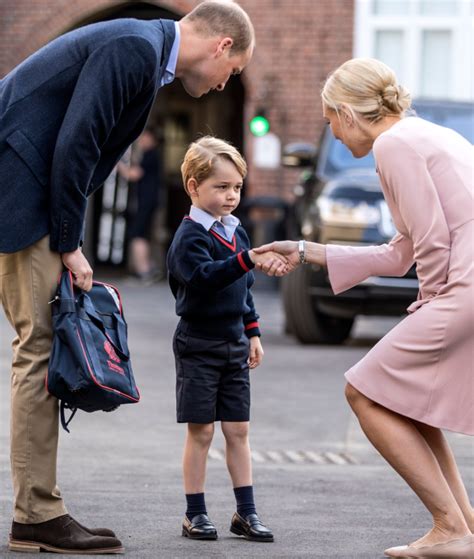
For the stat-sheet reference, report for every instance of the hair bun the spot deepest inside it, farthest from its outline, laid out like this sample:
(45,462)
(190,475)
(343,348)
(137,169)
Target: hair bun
(369,87)
(395,99)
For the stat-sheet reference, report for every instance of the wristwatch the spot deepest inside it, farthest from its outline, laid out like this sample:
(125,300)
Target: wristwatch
(301,251)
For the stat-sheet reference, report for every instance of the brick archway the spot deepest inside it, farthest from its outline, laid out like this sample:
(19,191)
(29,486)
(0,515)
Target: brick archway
(55,17)
(298,44)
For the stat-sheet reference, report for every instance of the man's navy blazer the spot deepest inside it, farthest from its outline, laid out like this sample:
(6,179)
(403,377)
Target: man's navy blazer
(67,114)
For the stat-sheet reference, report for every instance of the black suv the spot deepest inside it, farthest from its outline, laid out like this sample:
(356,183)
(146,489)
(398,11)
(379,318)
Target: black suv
(339,201)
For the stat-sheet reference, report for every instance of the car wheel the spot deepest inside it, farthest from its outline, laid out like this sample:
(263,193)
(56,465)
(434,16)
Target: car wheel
(309,325)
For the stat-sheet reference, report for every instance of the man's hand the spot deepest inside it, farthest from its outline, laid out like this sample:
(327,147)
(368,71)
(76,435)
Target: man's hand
(256,352)
(271,263)
(287,249)
(80,268)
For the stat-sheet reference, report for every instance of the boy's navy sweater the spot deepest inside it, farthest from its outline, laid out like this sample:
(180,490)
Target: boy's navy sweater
(211,279)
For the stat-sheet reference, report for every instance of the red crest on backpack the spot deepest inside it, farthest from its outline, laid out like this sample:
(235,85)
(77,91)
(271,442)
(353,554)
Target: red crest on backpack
(111,352)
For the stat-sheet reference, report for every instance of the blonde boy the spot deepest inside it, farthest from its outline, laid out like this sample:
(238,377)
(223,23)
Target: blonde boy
(218,337)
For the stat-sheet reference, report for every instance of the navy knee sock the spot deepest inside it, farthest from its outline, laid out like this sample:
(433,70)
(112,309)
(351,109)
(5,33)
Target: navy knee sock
(245,501)
(195,505)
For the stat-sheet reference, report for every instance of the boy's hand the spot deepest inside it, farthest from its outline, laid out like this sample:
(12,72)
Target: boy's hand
(256,352)
(287,249)
(272,263)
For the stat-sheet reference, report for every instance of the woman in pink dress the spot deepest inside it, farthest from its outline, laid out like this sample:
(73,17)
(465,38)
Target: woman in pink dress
(419,378)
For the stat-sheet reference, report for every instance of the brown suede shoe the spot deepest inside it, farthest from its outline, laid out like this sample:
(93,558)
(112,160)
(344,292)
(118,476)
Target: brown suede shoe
(97,531)
(61,535)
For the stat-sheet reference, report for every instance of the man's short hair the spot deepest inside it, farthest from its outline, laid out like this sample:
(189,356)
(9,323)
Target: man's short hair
(224,17)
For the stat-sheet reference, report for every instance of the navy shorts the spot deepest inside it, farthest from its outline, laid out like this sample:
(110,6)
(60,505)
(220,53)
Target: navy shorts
(212,379)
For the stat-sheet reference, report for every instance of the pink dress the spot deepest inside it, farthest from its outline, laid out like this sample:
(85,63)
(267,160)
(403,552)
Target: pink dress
(424,367)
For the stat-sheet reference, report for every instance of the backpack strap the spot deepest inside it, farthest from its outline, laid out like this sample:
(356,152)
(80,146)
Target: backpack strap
(65,406)
(122,351)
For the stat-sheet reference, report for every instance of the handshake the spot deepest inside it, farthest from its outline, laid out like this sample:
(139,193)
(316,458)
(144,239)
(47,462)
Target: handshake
(276,259)
(282,257)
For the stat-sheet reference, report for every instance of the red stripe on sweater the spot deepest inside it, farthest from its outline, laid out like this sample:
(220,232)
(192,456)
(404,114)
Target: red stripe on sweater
(242,263)
(232,246)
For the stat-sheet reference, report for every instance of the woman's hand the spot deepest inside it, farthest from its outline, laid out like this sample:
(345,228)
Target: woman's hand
(315,253)
(272,263)
(288,249)
(256,352)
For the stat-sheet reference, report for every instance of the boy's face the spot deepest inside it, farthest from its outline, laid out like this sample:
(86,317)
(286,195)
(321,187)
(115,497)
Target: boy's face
(219,194)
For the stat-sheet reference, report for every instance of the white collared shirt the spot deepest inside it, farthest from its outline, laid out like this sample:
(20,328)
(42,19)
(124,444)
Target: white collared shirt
(170,70)
(225,227)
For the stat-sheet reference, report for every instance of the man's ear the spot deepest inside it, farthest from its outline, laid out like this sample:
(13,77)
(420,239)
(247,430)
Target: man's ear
(192,187)
(224,45)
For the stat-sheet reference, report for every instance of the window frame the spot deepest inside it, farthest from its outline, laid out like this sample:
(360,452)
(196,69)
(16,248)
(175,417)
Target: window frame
(412,24)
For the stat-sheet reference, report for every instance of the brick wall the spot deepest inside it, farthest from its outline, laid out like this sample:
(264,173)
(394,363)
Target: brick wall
(298,43)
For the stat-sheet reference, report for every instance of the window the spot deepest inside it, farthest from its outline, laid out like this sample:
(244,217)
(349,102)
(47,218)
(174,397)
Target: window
(439,7)
(390,7)
(429,43)
(389,48)
(436,66)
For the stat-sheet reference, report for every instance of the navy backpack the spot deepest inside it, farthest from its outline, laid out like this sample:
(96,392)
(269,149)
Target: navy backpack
(89,366)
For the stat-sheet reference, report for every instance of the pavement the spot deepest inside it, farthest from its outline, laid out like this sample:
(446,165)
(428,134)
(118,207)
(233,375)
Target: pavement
(318,483)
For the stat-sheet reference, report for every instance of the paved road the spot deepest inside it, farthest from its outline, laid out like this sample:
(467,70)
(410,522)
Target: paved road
(318,483)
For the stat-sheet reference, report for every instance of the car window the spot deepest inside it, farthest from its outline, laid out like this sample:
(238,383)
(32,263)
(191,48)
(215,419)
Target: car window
(341,158)
(460,118)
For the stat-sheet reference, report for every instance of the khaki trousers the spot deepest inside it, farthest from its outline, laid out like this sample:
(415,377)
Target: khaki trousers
(28,279)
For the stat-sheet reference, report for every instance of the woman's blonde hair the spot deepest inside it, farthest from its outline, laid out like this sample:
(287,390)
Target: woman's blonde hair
(201,157)
(369,87)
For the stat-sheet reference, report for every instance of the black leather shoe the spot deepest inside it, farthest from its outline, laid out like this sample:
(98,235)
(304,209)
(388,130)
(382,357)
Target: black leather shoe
(251,528)
(199,528)
(61,535)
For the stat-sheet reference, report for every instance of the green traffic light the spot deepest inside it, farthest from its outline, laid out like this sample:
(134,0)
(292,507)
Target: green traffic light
(259,126)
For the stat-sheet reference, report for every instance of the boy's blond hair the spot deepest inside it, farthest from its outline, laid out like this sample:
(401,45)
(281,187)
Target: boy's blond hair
(202,155)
